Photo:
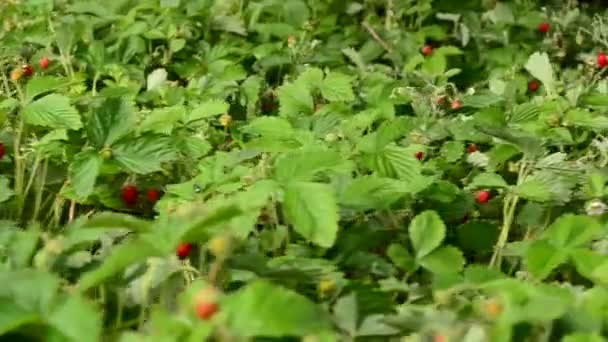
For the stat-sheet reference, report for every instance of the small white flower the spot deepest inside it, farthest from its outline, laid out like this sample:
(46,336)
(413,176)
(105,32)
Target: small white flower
(595,207)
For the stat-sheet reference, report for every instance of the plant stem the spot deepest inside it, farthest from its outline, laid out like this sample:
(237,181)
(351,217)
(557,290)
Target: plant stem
(510,204)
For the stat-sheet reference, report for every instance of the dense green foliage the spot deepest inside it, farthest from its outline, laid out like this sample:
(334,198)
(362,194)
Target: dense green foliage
(324,170)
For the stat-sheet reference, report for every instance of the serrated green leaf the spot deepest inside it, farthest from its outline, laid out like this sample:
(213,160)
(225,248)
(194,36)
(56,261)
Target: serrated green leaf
(111,120)
(302,165)
(534,190)
(144,154)
(295,99)
(42,84)
(542,257)
(444,260)
(524,113)
(337,87)
(487,180)
(208,109)
(53,111)
(270,127)
(570,231)
(162,120)
(312,210)
(452,151)
(252,312)
(369,192)
(83,171)
(427,232)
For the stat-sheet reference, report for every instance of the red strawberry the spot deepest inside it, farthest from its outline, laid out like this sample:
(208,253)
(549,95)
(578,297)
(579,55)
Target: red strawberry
(602,61)
(427,50)
(1,150)
(129,195)
(456,104)
(419,155)
(27,70)
(482,197)
(205,311)
(471,148)
(532,85)
(183,250)
(543,27)
(205,303)
(152,195)
(44,63)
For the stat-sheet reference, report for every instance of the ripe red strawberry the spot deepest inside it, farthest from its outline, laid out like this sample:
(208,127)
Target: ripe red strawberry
(482,197)
(456,104)
(532,85)
(183,250)
(1,150)
(152,195)
(419,155)
(427,50)
(602,61)
(44,63)
(129,195)
(471,148)
(205,310)
(543,27)
(27,70)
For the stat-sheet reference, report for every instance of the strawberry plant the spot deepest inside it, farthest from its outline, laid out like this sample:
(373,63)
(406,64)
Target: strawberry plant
(317,170)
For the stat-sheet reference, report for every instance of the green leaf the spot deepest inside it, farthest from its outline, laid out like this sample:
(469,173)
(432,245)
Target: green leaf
(5,191)
(253,312)
(583,337)
(570,231)
(294,99)
(109,121)
(76,320)
(427,232)
(83,171)
(144,154)
(452,151)
(53,111)
(122,256)
(12,316)
(400,256)
(269,127)
(43,84)
(542,257)
(302,165)
(162,120)
(156,79)
(346,313)
(444,260)
(337,87)
(207,109)
(31,289)
(313,211)
(534,190)
(539,66)
(487,180)
(435,65)
(370,192)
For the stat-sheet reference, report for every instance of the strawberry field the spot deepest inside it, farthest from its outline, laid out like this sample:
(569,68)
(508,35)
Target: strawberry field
(314,170)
